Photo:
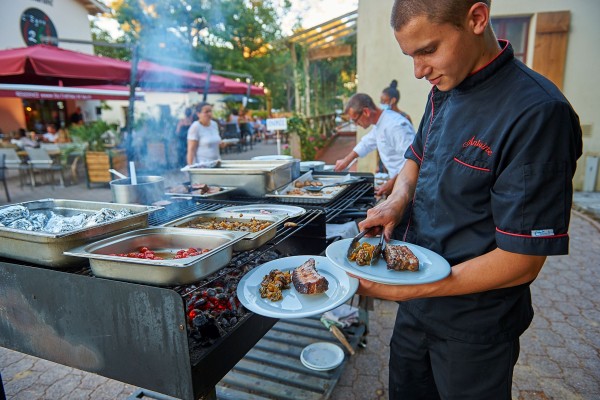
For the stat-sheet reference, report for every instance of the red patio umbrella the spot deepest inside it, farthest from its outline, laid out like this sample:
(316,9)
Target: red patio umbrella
(50,65)
(231,86)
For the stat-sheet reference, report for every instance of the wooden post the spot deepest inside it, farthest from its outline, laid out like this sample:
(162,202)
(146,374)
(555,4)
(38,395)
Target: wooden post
(307,85)
(296,78)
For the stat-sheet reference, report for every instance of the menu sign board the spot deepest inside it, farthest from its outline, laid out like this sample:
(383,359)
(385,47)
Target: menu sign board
(276,124)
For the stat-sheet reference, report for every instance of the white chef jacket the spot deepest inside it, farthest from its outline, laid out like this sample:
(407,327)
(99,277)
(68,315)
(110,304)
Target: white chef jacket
(391,136)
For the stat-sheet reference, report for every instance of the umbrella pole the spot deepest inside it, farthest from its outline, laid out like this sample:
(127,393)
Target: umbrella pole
(132,84)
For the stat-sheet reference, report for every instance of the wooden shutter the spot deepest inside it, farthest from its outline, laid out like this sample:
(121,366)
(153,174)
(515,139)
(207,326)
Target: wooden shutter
(550,52)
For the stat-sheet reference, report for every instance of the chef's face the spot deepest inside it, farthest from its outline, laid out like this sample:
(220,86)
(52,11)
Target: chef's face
(442,53)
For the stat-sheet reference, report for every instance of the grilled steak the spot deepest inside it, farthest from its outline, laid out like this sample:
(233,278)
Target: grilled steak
(400,258)
(307,280)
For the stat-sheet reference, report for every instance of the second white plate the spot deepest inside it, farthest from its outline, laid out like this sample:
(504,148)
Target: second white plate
(432,266)
(296,305)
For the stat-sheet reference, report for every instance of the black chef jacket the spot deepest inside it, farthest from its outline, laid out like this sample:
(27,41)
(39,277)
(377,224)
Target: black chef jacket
(497,156)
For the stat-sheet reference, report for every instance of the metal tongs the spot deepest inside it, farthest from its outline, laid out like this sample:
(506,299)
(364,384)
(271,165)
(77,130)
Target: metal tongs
(354,242)
(378,250)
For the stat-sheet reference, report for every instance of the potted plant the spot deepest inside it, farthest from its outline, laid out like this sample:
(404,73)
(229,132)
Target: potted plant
(100,156)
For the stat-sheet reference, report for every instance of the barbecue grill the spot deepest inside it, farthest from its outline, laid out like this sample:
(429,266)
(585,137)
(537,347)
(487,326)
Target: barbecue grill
(180,340)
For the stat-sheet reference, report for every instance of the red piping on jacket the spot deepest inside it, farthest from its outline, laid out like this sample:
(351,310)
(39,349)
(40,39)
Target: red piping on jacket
(492,60)
(471,166)
(530,236)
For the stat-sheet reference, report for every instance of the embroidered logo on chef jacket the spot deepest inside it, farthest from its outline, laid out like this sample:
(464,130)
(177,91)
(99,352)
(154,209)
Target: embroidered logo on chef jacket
(478,143)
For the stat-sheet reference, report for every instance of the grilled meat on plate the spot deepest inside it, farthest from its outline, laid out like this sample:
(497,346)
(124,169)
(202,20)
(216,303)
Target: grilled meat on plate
(307,280)
(400,258)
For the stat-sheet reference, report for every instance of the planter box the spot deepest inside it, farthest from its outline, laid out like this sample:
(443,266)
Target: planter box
(98,163)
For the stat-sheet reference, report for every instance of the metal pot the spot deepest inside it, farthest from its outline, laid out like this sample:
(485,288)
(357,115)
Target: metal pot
(149,189)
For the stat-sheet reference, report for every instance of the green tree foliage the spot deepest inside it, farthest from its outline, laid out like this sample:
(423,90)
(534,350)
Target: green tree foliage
(242,36)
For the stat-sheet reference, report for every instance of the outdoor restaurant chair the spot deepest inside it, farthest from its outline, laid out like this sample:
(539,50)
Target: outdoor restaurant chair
(232,137)
(247,134)
(3,176)
(50,147)
(12,161)
(40,160)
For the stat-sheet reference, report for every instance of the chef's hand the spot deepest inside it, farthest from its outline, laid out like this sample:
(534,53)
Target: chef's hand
(340,165)
(386,188)
(386,215)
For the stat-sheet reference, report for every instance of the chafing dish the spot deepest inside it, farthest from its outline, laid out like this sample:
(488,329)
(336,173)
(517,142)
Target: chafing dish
(161,240)
(251,177)
(251,241)
(293,194)
(47,248)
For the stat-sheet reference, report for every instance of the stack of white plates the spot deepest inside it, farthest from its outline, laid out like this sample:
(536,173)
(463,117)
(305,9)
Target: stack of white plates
(273,157)
(306,166)
(322,356)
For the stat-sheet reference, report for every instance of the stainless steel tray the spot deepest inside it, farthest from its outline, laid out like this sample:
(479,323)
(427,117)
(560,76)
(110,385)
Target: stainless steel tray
(47,249)
(325,196)
(223,194)
(160,272)
(251,241)
(251,177)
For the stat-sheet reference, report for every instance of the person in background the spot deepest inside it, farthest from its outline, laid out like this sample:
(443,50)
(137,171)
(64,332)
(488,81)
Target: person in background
(23,140)
(181,132)
(490,176)
(203,139)
(391,135)
(51,135)
(234,118)
(259,128)
(390,97)
(63,136)
(77,117)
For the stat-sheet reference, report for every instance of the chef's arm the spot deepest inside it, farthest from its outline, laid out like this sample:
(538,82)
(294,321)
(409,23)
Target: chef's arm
(344,162)
(494,270)
(389,212)
(192,146)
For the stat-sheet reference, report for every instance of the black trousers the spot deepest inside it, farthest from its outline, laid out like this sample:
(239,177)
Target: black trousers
(424,366)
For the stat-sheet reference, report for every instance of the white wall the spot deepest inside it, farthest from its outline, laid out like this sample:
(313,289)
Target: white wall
(380,60)
(69,17)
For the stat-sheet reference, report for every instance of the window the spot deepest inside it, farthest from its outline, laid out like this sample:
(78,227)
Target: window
(516,31)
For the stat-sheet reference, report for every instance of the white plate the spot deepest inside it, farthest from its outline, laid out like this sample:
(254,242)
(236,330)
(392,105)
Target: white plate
(272,157)
(296,305)
(268,209)
(322,356)
(432,266)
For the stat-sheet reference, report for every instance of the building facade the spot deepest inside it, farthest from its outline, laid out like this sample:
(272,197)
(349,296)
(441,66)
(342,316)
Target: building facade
(555,38)
(24,24)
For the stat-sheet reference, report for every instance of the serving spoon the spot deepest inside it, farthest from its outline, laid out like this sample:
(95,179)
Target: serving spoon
(319,188)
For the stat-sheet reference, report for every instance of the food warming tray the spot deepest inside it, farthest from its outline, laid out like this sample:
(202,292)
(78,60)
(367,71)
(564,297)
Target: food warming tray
(223,194)
(47,249)
(160,240)
(252,178)
(252,241)
(285,195)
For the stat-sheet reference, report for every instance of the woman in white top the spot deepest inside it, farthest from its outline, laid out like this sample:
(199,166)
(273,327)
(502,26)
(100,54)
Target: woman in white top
(203,137)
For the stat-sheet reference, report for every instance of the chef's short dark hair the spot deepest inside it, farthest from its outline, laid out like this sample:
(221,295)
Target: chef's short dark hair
(438,11)
(360,101)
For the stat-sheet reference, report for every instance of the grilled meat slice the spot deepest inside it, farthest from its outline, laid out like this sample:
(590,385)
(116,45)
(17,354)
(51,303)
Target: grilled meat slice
(400,258)
(307,280)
